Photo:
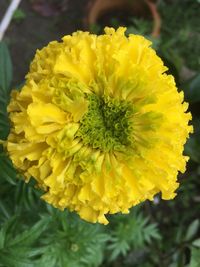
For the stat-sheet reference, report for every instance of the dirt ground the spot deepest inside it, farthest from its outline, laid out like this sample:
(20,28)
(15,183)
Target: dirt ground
(35,31)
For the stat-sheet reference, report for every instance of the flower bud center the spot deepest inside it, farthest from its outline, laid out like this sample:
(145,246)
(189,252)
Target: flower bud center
(106,125)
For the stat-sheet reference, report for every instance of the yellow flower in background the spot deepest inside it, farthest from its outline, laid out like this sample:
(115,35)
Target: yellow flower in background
(99,124)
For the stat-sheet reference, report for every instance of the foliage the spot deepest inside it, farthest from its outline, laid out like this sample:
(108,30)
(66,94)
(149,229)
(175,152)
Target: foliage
(5,86)
(195,261)
(19,15)
(181,33)
(16,247)
(72,243)
(134,231)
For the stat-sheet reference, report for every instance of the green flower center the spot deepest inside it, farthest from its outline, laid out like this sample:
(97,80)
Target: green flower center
(106,125)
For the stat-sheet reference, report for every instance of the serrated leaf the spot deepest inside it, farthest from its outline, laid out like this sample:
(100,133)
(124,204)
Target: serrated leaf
(26,195)
(73,243)
(134,231)
(117,249)
(29,236)
(17,250)
(192,230)
(7,228)
(151,232)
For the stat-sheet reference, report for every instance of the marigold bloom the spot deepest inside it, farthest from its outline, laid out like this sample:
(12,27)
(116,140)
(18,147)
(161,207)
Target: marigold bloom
(99,124)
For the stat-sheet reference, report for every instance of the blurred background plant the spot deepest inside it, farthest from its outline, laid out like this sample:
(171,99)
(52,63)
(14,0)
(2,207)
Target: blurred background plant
(158,233)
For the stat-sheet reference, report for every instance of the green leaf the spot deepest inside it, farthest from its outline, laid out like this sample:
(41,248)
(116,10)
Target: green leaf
(195,258)
(150,232)
(133,231)
(4,127)
(5,213)
(17,250)
(196,243)
(192,230)
(72,243)
(192,89)
(118,247)
(19,14)
(8,172)
(5,86)
(5,69)
(14,260)
(7,228)
(29,236)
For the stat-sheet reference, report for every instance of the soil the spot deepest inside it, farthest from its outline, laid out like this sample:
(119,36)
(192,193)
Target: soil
(33,32)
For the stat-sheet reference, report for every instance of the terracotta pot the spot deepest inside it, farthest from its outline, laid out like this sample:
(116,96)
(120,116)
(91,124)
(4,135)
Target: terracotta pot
(139,8)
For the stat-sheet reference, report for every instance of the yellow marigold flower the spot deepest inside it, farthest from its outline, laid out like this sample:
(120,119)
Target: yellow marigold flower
(99,124)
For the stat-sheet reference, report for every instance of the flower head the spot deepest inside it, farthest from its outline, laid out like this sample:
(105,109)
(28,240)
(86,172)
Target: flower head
(99,124)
